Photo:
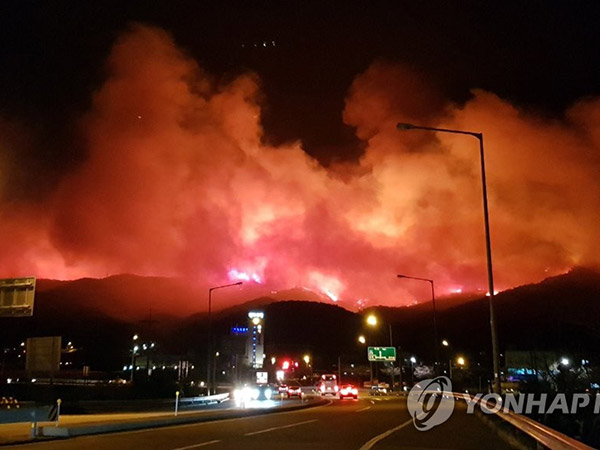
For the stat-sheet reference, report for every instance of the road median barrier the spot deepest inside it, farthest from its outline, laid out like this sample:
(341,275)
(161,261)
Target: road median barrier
(63,431)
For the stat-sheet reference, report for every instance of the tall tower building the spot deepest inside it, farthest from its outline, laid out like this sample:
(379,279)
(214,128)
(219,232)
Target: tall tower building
(255,347)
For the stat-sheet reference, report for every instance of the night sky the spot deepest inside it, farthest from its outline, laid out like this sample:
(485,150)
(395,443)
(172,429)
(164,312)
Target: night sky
(257,141)
(539,54)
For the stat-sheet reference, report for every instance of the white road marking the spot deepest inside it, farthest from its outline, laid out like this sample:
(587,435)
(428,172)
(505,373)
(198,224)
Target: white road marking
(279,428)
(363,409)
(381,436)
(197,445)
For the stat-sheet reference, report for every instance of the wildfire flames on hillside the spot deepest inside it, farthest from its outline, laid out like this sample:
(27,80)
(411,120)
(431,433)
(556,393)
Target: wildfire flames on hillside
(178,181)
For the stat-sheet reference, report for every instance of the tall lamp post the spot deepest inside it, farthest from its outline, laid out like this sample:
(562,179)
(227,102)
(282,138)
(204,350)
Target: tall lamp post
(134,350)
(372,321)
(488,246)
(210,346)
(435,327)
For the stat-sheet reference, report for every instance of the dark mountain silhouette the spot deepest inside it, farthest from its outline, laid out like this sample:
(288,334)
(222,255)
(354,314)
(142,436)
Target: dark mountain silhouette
(561,313)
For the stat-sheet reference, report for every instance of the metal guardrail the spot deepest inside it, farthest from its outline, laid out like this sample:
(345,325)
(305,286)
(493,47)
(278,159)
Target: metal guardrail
(543,435)
(218,398)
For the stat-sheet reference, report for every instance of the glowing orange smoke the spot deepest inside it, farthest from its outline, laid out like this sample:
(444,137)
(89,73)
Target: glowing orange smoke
(178,183)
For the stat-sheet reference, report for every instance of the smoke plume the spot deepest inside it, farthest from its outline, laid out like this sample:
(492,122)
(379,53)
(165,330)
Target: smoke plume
(177,181)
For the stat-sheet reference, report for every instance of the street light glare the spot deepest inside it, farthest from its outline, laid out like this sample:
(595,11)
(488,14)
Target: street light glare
(372,320)
(460,361)
(445,343)
(362,339)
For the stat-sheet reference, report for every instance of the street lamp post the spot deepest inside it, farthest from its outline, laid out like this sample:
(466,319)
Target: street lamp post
(210,346)
(134,350)
(363,341)
(488,246)
(372,321)
(435,328)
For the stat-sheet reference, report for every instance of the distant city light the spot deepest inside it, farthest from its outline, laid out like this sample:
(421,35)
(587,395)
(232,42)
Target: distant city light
(445,343)
(565,361)
(413,359)
(362,339)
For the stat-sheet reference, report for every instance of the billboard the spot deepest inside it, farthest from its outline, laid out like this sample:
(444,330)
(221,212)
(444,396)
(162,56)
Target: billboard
(43,354)
(16,297)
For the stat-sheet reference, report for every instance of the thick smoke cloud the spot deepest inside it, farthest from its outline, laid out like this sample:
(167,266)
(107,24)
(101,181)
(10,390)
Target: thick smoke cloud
(177,182)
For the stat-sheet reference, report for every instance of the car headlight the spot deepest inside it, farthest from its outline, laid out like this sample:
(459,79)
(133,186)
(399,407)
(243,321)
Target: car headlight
(268,394)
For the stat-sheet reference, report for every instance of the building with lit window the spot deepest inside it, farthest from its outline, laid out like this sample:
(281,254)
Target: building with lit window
(255,347)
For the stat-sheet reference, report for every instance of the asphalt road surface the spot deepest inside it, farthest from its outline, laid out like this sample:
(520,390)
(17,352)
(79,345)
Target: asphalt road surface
(378,423)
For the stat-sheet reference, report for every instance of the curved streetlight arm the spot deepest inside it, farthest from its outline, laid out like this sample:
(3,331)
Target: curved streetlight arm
(416,278)
(210,347)
(479,136)
(410,126)
(435,327)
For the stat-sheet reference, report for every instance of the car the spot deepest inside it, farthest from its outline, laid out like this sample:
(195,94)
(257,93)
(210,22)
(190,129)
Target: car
(294,391)
(248,393)
(328,385)
(348,391)
(282,389)
(378,390)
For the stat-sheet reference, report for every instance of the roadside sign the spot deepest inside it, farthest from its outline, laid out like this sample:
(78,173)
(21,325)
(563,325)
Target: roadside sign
(43,354)
(262,377)
(16,297)
(381,353)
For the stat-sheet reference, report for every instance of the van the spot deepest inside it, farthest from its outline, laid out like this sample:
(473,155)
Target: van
(328,384)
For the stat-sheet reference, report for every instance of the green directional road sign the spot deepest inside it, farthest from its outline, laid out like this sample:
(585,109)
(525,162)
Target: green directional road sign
(381,353)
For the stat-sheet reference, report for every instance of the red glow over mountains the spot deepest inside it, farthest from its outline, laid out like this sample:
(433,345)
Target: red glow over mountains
(178,182)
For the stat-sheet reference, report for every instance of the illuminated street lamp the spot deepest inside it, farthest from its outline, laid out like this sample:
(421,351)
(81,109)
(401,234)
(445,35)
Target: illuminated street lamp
(460,361)
(435,328)
(362,339)
(372,321)
(445,343)
(210,350)
(488,246)
(133,354)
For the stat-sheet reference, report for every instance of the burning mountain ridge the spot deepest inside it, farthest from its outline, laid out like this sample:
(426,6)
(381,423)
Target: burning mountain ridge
(179,182)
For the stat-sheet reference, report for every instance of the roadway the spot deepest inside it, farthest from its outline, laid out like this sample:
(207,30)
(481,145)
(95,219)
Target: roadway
(378,423)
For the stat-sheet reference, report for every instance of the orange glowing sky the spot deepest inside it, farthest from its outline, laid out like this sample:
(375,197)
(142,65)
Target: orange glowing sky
(179,182)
